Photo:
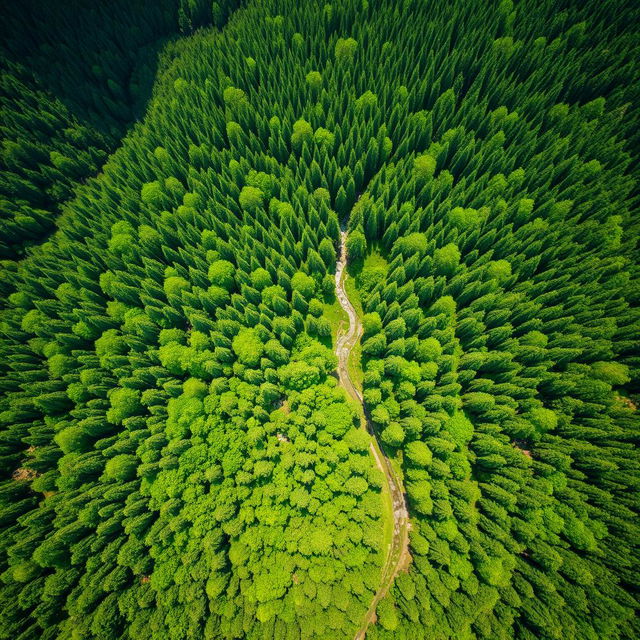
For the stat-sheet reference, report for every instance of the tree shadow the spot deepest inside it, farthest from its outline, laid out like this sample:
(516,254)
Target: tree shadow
(354,268)
(98,58)
(86,70)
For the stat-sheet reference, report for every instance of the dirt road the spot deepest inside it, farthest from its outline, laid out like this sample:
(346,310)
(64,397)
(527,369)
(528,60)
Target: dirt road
(398,551)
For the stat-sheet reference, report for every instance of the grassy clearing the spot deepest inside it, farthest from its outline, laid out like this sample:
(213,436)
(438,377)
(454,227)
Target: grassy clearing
(368,271)
(353,293)
(375,260)
(387,516)
(396,465)
(354,364)
(336,316)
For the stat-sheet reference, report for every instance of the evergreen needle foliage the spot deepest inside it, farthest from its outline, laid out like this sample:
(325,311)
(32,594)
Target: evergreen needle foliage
(178,458)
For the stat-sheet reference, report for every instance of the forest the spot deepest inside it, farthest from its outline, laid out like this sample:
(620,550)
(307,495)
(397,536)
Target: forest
(320,320)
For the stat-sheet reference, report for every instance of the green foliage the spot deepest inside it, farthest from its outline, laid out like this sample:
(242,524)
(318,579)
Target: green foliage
(424,167)
(413,244)
(613,373)
(499,270)
(299,375)
(250,198)
(387,615)
(356,246)
(302,132)
(124,403)
(393,435)
(460,428)
(324,137)
(345,49)
(151,193)
(446,259)
(418,453)
(234,98)
(372,324)
(121,467)
(314,80)
(179,459)
(248,347)
(260,278)
(221,273)
(303,284)
(465,219)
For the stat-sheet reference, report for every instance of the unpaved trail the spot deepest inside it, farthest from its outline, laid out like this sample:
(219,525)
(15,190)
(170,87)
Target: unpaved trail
(398,551)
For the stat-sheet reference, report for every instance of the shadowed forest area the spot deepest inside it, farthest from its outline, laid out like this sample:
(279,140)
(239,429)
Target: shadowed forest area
(75,76)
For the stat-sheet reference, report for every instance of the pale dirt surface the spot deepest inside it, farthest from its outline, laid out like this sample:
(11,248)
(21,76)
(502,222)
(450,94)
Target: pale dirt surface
(398,557)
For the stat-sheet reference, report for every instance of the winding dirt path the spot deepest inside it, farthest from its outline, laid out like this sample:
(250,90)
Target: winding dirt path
(398,556)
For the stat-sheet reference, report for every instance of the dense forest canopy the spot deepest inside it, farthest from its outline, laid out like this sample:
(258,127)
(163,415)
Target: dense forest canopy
(180,458)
